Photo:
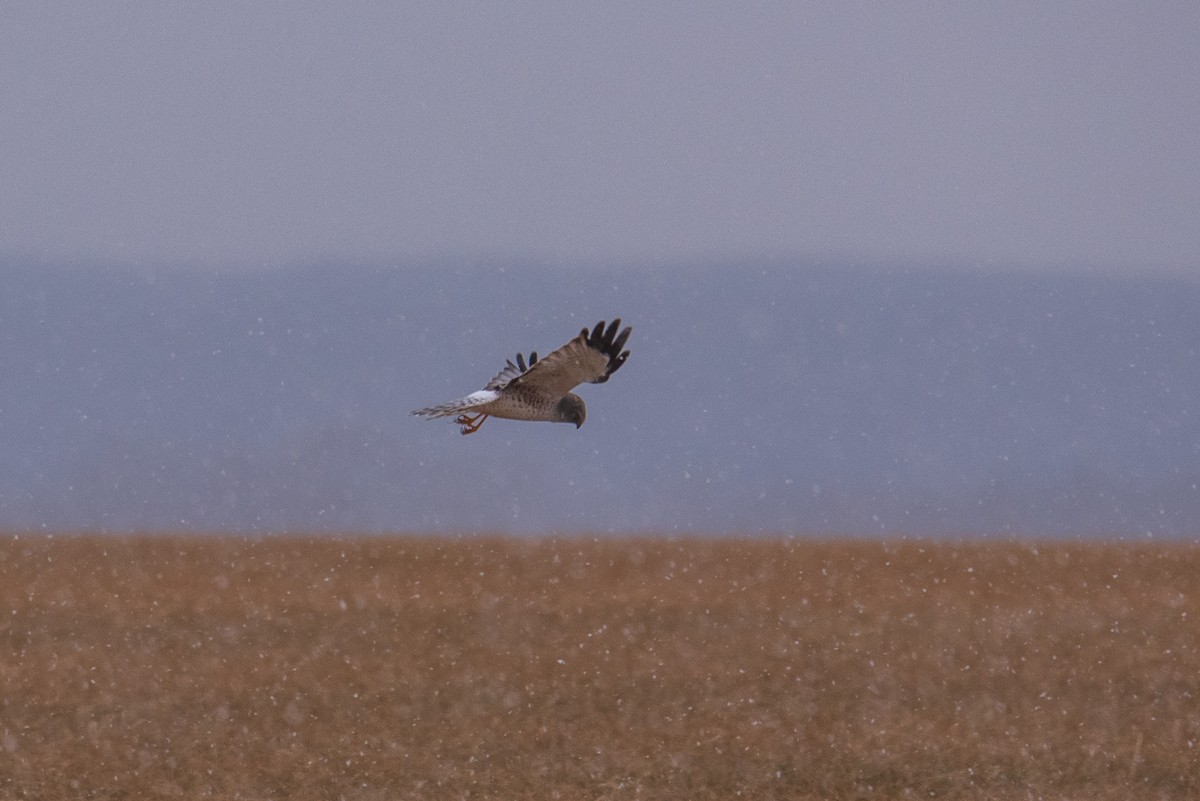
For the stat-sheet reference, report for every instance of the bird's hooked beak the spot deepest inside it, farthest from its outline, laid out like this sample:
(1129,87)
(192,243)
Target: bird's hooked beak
(571,410)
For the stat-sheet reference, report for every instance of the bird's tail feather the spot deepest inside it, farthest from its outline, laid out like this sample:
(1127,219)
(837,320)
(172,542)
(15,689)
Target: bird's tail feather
(459,406)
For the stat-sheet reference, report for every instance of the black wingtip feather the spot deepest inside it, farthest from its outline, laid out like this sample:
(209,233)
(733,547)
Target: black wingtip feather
(620,341)
(610,343)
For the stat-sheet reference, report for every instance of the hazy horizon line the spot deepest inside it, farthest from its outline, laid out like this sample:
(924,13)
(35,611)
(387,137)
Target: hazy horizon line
(715,263)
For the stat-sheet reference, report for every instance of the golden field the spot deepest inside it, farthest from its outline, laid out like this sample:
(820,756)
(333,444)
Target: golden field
(423,668)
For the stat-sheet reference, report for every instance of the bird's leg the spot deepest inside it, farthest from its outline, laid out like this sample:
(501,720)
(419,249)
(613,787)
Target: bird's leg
(470,424)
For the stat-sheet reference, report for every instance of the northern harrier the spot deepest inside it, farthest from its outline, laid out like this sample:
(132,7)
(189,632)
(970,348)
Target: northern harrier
(541,390)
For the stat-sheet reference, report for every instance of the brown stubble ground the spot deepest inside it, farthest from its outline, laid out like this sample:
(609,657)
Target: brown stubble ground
(403,668)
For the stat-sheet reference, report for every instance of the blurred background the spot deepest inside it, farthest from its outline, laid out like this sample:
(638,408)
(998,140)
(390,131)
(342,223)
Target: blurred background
(891,270)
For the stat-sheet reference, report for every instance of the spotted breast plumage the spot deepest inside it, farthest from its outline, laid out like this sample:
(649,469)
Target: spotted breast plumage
(540,389)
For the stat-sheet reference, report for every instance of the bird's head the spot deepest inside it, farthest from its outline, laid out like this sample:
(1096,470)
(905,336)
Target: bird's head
(571,409)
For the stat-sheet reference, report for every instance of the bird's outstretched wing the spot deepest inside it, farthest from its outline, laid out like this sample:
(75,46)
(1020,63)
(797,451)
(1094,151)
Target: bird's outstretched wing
(511,371)
(590,357)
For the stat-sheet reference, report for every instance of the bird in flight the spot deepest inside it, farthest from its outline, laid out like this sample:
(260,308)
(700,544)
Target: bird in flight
(541,389)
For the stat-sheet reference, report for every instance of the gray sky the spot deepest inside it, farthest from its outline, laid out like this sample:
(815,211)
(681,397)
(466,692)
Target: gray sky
(230,135)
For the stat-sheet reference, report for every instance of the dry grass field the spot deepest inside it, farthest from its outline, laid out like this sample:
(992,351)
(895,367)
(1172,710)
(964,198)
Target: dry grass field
(405,668)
